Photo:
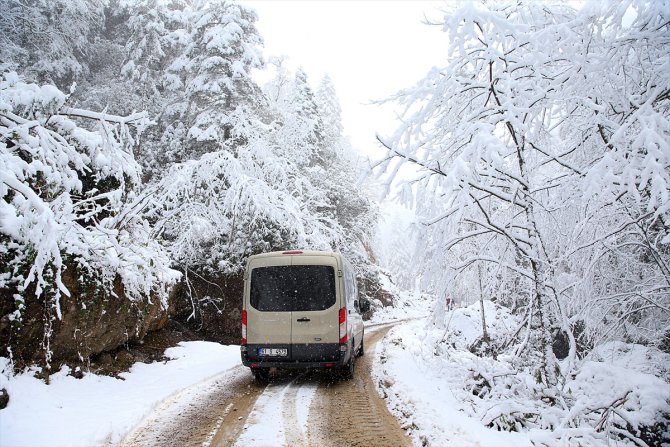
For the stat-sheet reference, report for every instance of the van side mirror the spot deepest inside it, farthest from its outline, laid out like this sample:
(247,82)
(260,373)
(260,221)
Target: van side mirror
(365,306)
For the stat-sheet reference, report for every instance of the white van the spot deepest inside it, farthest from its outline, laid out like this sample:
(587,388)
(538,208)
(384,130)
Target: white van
(301,310)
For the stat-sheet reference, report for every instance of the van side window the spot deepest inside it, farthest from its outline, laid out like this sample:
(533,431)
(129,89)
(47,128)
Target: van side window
(292,288)
(350,292)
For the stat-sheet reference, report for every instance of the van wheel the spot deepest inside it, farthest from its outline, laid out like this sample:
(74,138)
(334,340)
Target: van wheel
(261,374)
(361,350)
(347,371)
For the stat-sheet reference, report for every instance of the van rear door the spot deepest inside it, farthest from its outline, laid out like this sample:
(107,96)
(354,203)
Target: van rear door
(315,326)
(268,313)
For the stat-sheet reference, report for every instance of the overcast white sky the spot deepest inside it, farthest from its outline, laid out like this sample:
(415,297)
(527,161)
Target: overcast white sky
(369,48)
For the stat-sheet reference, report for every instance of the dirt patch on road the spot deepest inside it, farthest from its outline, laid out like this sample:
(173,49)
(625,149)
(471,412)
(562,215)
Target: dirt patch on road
(209,413)
(236,413)
(351,412)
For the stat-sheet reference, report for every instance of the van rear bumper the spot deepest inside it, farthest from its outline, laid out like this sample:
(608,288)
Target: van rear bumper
(293,365)
(315,355)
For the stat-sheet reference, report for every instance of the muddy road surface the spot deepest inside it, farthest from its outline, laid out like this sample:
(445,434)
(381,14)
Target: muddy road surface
(293,409)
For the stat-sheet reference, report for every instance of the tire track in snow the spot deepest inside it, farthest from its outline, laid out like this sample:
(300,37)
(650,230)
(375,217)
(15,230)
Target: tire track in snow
(191,416)
(279,414)
(296,405)
(351,412)
(310,409)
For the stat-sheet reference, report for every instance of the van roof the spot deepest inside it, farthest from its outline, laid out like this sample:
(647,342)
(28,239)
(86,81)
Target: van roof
(295,253)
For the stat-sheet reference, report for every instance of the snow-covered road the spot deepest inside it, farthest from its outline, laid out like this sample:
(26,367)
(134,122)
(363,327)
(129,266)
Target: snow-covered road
(294,409)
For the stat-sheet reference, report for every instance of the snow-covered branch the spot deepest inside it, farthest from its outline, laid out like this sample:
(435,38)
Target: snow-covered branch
(136,119)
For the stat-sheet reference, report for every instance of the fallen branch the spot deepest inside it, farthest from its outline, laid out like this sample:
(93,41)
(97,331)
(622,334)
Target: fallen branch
(608,410)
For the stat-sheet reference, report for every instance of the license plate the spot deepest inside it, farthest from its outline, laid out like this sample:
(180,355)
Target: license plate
(273,352)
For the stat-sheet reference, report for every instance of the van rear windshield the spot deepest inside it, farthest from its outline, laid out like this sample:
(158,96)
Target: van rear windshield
(289,288)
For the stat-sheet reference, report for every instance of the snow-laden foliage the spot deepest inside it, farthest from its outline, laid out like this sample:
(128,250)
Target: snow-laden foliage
(67,195)
(544,172)
(535,173)
(309,133)
(620,391)
(215,211)
(269,186)
(50,40)
(191,64)
(188,64)
(299,130)
(329,109)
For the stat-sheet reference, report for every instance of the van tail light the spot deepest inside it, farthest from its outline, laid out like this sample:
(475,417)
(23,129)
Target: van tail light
(244,327)
(343,325)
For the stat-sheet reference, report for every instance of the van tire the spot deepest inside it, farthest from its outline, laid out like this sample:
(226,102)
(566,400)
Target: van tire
(347,371)
(261,374)
(361,350)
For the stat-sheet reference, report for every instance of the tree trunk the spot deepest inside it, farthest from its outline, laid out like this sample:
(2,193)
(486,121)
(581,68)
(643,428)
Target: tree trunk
(485,335)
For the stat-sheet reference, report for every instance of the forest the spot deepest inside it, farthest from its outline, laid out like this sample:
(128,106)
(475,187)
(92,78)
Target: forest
(141,164)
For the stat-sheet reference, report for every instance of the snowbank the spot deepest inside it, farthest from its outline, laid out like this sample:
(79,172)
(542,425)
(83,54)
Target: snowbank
(96,409)
(433,408)
(465,399)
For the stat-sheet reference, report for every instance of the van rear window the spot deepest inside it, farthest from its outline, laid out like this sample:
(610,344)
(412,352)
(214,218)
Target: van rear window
(289,288)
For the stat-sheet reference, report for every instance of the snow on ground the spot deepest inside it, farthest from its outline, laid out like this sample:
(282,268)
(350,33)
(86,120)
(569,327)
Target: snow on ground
(304,400)
(408,305)
(447,395)
(431,405)
(274,415)
(96,410)
(265,426)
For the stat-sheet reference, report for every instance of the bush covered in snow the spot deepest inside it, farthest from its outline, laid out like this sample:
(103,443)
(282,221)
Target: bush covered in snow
(67,203)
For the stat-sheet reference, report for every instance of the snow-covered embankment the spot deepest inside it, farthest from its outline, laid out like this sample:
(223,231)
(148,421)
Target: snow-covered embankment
(446,395)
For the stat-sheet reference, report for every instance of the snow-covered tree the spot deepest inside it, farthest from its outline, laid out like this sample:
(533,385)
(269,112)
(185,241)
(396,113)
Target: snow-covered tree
(49,41)
(544,168)
(299,125)
(157,36)
(309,132)
(330,111)
(192,63)
(542,148)
(212,213)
